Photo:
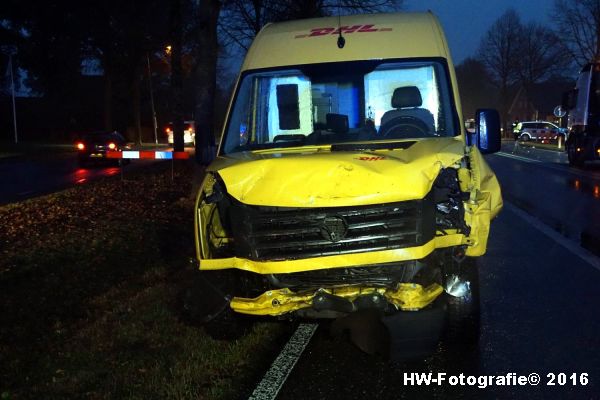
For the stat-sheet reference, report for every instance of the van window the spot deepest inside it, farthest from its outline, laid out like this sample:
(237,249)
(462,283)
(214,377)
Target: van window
(381,100)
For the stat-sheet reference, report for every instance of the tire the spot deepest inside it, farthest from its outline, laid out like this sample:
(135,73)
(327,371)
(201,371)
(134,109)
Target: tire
(525,138)
(463,314)
(205,302)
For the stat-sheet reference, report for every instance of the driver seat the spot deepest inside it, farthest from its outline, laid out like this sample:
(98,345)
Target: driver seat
(407,102)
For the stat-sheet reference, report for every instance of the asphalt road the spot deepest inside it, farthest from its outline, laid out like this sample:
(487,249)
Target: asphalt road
(542,183)
(24,178)
(540,303)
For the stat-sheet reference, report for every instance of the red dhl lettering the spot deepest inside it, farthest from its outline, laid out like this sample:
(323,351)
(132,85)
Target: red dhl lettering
(344,29)
(321,31)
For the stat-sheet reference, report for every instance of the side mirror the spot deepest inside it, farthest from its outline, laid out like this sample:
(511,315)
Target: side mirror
(487,131)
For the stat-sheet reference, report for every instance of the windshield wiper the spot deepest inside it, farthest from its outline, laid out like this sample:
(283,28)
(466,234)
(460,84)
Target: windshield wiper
(289,138)
(269,146)
(371,146)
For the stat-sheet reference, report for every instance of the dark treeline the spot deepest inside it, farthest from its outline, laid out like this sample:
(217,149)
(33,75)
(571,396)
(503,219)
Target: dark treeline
(88,66)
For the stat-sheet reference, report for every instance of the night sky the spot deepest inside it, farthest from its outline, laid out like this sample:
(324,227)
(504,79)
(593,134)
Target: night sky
(466,21)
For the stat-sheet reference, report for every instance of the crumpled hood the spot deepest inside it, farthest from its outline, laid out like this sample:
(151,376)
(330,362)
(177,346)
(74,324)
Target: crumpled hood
(320,178)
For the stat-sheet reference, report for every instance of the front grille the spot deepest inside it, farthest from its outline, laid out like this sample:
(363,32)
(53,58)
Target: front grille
(380,275)
(276,233)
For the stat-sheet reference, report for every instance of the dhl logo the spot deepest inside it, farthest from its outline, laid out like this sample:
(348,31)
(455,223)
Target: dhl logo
(370,158)
(344,29)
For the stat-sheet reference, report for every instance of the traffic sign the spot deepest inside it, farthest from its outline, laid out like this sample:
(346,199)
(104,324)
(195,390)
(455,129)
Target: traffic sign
(559,112)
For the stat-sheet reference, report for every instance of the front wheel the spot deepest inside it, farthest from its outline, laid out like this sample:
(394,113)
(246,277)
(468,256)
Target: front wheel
(205,301)
(463,305)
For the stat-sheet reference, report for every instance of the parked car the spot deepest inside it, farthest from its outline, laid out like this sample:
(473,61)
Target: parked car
(189,132)
(93,146)
(540,131)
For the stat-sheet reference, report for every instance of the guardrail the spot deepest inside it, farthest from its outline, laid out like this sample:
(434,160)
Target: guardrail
(148,155)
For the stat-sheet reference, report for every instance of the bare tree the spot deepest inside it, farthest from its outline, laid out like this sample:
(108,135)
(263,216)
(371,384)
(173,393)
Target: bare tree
(243,19)
(206,13)
(578,28)
(499,52)
(476,90)
(539,57)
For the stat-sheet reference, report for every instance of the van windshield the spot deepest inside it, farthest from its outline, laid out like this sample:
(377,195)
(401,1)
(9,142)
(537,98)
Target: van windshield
(321,104)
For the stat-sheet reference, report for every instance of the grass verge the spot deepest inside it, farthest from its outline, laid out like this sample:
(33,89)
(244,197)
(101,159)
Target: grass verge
(89,281)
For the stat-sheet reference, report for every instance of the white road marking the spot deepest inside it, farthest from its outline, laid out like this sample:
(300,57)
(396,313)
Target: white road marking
(558,153)
(520,158)
(276,376)
(568,244)
(540,149)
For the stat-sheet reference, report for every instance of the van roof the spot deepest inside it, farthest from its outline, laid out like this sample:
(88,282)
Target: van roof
(368,36)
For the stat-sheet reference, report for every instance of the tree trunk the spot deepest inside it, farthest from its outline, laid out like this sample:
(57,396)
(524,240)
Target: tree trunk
(177,74)
(206,81)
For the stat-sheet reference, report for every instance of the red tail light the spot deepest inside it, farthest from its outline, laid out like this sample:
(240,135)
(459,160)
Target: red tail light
(80,146)
(112,146)
(167,130)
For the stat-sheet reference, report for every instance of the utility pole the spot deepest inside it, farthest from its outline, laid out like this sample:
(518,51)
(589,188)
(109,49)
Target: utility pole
(152,100)
(12,81)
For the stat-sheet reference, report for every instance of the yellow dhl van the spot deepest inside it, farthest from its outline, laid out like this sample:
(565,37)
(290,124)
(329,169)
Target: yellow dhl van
(345,179)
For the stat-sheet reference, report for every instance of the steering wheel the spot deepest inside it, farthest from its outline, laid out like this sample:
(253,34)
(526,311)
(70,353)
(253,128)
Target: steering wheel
(404,126)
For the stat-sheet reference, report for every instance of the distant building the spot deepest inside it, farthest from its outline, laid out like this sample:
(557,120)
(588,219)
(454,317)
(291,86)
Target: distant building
(539,102)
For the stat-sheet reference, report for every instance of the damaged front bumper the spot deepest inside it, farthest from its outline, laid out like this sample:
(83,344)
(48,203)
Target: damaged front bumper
(406,297)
